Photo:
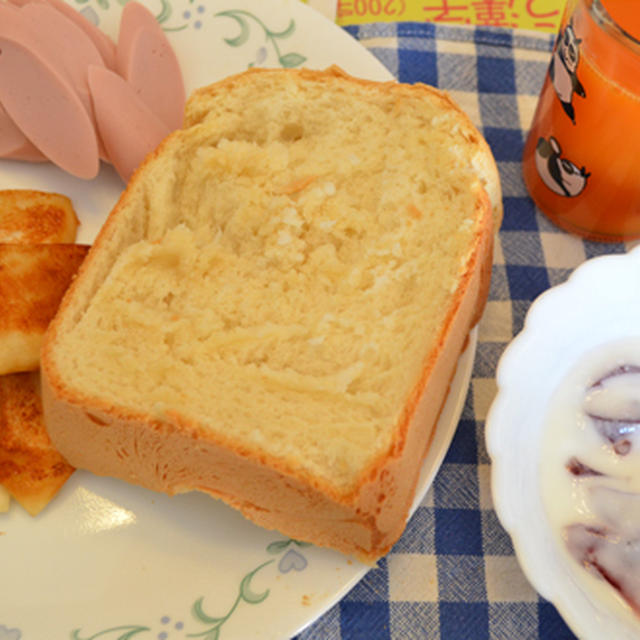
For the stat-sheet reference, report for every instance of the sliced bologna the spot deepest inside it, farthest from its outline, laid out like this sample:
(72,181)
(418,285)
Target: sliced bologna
(129,129)
(14,145)
(65,46)
(145,58)
(45,107)
(134,17)
(101,40)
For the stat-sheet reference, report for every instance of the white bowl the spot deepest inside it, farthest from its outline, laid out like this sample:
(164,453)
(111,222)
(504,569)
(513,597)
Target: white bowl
(600,303)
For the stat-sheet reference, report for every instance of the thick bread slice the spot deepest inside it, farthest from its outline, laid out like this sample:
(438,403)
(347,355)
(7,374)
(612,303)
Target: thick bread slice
(275,307)
(30,468)
(34,217)
(33,279)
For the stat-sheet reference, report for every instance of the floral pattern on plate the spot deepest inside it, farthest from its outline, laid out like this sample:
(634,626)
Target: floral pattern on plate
(291,560)
(193,18)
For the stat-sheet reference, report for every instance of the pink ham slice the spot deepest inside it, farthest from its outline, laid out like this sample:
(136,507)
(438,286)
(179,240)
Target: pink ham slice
(14,145)
(102,42)
(63,40)
(134,17)
(66,46)
(44,105)
(129,129)
(145,58)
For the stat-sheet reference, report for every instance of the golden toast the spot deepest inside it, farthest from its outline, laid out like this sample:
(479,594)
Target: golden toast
(35,217)
(33,279)
(30,468)
(37,262)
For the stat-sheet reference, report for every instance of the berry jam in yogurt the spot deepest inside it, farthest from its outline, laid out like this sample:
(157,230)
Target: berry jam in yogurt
(590,474)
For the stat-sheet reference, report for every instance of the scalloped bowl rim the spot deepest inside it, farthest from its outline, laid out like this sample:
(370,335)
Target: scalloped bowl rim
(561,325)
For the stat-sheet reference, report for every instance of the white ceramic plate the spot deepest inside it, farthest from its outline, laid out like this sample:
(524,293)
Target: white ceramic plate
(112,561)
(598,305)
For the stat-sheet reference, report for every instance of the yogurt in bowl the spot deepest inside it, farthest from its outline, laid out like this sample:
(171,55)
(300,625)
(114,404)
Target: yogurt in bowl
(564,437)
(590,472)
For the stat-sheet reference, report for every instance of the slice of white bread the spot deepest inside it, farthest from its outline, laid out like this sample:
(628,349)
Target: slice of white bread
(274,309)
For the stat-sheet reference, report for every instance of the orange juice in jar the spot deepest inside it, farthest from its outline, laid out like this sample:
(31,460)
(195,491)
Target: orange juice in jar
(581,161)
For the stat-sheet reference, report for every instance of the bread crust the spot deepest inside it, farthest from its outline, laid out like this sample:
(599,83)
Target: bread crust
(173,455)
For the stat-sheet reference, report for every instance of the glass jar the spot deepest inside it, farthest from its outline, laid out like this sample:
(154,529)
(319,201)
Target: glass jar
(581,161)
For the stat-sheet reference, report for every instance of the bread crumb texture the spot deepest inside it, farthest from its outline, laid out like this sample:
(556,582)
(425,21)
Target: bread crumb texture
(292,263)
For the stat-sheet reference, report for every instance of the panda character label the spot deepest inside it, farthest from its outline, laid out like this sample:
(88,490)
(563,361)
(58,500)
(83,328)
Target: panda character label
(563,68)
(559,174)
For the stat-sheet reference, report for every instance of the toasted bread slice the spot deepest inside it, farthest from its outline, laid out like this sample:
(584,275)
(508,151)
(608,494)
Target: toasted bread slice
(36,217)
(33,279)
(30,468)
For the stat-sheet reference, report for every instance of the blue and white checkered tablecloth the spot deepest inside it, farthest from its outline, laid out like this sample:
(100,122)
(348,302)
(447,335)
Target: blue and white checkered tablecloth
(453,575)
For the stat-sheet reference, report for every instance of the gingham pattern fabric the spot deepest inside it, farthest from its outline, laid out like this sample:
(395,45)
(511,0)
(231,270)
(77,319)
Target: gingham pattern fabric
(453,575)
